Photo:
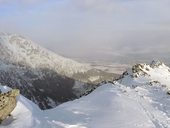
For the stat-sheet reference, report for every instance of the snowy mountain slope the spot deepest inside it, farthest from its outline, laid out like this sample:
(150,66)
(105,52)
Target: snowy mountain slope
(106,107)
(21,50)
(42,76)
(131,102)
(44,87)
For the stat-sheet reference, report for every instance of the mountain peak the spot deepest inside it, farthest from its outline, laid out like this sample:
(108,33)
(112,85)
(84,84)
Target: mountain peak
(147,73)
(156,63)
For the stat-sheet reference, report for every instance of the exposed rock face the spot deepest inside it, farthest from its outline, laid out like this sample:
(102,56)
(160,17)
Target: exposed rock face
(138,69)
(156,63)
(7,103)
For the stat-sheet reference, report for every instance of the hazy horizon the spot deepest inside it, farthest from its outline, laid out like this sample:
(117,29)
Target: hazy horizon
(117,30)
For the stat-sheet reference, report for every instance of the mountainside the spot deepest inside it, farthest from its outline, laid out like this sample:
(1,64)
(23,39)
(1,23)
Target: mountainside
(20,50)
(42,76)
(138,99)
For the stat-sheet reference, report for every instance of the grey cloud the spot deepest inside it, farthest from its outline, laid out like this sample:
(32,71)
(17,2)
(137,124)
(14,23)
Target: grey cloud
(103,5)
(21,1)
(96,28)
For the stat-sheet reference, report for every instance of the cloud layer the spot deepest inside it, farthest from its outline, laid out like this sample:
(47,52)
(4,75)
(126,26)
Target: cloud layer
(20,1)
(91,27)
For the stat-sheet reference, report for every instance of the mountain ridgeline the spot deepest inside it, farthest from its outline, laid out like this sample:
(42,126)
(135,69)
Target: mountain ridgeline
(138,99)
(43,76)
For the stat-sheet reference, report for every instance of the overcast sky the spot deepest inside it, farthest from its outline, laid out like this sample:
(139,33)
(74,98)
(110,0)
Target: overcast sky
(81,28)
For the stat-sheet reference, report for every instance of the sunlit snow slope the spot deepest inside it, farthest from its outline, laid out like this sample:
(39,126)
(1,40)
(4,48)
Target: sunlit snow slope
(137,100)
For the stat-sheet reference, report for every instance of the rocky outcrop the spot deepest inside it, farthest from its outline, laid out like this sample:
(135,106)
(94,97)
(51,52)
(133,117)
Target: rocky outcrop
(7,103)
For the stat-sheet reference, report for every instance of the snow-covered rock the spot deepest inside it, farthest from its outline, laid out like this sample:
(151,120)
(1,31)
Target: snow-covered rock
(156,72)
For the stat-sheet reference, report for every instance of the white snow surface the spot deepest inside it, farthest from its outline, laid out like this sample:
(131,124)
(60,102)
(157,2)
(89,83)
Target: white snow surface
(18,49)
(138,102)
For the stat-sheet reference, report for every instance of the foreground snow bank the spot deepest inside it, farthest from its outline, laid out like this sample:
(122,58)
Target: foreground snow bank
(25,115)
(109,106)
